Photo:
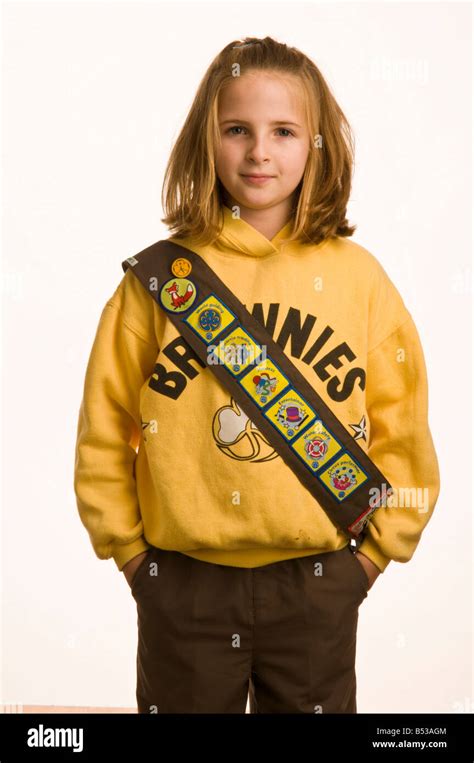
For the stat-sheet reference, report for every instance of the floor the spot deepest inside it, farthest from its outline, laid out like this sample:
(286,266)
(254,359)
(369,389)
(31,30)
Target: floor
(5,709)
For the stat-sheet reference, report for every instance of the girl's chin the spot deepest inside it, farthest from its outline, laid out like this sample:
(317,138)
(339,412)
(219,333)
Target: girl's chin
(257,195)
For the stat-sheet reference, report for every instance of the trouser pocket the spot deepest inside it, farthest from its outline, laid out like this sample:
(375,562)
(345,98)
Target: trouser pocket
(359,572)
(141,573)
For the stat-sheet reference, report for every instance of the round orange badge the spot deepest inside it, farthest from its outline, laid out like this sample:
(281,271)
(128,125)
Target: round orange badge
(181,267)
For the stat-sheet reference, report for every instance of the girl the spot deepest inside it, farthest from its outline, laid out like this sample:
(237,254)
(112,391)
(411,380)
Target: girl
(242,583)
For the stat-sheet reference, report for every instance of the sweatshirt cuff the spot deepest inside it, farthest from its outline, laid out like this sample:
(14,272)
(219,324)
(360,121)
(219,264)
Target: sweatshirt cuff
(122,553)
(372,552)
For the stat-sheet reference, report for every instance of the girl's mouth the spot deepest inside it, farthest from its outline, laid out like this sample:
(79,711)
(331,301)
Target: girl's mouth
(257,179)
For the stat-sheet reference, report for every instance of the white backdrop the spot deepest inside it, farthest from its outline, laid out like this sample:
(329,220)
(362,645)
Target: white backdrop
(94,95)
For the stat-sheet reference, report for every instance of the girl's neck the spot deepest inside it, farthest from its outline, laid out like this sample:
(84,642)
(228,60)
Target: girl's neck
(269,221)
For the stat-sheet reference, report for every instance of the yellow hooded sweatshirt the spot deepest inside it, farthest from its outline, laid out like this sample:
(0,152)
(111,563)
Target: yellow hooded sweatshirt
(166,457)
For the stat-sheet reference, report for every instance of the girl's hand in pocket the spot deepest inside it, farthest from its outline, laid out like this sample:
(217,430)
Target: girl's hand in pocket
(131,567)
(372,571)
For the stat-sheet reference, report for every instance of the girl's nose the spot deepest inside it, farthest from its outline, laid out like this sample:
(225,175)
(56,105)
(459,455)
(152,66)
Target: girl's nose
(258,152)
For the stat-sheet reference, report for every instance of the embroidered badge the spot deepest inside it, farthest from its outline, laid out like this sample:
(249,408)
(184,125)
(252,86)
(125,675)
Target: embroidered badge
(289,413)
(177,295)
(362,521)
(237,351)
(181,267)
(209,318)
(343,477)
(264,382)
(316,446)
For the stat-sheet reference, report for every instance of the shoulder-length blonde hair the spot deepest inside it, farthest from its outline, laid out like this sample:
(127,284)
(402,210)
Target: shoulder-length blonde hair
(192,193)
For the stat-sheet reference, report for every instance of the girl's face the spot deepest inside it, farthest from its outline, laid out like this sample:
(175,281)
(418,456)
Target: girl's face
(263,132)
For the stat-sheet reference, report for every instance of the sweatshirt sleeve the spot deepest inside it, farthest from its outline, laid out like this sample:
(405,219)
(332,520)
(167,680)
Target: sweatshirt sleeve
(400,444)
(109,433)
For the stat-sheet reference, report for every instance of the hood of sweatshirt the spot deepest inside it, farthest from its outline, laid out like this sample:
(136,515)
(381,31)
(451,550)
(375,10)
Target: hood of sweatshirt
(242,238)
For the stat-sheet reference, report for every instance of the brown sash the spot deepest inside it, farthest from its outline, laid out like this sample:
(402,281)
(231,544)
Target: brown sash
(267,386)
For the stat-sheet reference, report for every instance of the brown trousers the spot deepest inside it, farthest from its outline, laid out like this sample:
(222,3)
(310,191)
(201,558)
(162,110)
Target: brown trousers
(284,635)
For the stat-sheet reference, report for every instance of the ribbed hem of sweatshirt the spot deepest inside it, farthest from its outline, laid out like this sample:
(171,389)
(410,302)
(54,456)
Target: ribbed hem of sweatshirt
(372,552)
(123,553)
(255,557)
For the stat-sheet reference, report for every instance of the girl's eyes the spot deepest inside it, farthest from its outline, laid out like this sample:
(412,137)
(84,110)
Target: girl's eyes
(240,127)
